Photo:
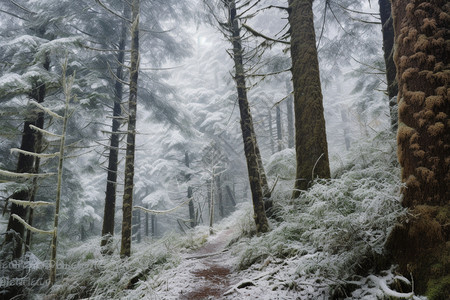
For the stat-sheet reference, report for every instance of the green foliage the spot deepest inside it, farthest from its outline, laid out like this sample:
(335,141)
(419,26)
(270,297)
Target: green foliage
(438,288)
(339,226)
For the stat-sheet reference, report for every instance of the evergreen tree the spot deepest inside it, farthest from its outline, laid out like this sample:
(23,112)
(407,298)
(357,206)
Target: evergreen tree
(388,49)
(310,135)
(251,149)
(125,249)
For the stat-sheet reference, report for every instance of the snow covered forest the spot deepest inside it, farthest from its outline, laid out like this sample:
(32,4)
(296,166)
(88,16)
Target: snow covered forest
(224,149)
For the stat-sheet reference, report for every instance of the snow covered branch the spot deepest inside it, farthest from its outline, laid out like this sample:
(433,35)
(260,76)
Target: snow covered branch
(24,175)
(31,204)
(29,227)
(161,212)
(40,155)
(45,131)
(48,111)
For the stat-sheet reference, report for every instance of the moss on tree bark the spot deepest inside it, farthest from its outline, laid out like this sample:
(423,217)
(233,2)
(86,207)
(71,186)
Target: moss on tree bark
(420,242)
(310,135)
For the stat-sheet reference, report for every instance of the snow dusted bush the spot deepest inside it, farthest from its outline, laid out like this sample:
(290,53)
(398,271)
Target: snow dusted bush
(282,164)
(339,226)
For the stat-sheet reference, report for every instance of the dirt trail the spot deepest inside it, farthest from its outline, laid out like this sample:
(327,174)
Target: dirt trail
(203,274)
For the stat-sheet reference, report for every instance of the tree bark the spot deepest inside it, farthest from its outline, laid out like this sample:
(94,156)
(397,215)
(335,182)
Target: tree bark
(420,242)
(113,158)
(346,129)
(125,249)
(189,193)
(310,135)
(272,144)
(248,135)
(387,29)
(146,221)
(31,142)
(279,129)
(290,116)
(230,195)
(219,196)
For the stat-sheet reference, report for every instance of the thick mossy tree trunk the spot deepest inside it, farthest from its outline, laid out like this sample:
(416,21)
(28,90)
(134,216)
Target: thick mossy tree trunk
(127,207)
(420,242)
(31,142)
(251,153)
(388,49)
(310,135)
(113,158)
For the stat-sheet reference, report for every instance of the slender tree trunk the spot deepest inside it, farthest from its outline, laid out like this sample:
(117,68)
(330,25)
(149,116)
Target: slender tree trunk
(113,158)
(279,129)
(26,164)
(146,221)
(125,249)
(67,87)
(189,193)
(138,217)
(387,29)
(310,135)
(420,242)
(346,130)
(219,197)
(211,205)
(230,195)
(248,135)
(272,144)
(154,224)
(290,116)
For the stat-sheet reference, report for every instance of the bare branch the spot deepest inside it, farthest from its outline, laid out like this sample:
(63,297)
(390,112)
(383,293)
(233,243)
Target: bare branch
(113,12)
(258,34)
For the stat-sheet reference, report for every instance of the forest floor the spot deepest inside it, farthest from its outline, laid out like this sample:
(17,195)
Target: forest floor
(206,273)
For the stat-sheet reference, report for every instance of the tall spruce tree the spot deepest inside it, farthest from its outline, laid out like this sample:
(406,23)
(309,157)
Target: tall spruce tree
(310,135)
(113,157)
(125,249)
(251,149)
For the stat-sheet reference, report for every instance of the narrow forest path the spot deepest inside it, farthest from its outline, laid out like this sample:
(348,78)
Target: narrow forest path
(205,273)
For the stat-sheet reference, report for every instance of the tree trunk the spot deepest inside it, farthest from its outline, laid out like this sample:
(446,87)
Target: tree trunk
(310,135)
(189,193)
(211,205)
(125,249)
(113,158)
(219,197)
(290,116)
(154,226)
(387,29)
(248,135)
(230,195)
(420,242)
(272,144)
(146,221)
(31,142)
(346,129)
(279,129)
